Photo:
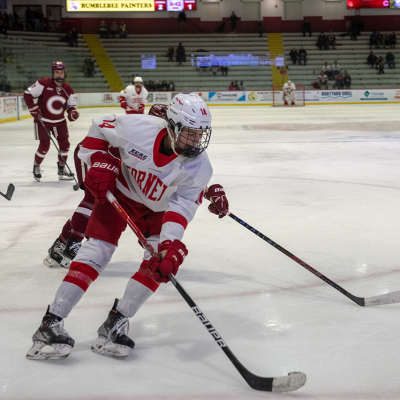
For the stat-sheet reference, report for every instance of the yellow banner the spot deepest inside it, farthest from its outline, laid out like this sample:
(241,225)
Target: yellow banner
(112,5)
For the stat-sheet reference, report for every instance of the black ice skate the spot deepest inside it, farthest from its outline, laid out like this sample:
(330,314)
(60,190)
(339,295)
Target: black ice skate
(36,173)
(55,257)
(113,340)
(51,333)
(63,174)
(71,250)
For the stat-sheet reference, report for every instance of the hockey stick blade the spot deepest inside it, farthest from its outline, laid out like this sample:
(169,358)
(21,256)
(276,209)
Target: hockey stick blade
(10,192)
(387,298)
(293,381)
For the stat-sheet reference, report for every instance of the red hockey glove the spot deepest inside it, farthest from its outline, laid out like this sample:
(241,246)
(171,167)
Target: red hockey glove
(35,113)
(123,103)
(102,175)
(73,115)
(219,203)
(172,255)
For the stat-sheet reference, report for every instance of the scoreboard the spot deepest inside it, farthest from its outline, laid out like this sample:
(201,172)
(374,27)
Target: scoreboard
(373,3)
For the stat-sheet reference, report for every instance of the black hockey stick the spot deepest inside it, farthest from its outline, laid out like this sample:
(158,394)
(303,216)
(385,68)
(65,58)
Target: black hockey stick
(75,187)
(388,298)
(10,192)
(292,381)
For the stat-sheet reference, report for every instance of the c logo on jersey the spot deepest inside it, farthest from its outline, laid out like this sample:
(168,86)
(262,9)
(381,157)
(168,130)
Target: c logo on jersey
(52,100)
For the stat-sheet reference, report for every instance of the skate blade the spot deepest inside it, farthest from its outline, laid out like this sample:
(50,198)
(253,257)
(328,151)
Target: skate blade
(65,178)
(49,262)
(106,347)
(60,351)
(65,262)
(37,179)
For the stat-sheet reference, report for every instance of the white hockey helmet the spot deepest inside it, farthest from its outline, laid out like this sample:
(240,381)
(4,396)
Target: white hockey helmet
(138,79)
(188,111)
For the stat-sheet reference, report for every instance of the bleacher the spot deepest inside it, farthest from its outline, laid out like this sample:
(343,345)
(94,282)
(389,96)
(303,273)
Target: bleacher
(127,56)
(350,54)
(28,57)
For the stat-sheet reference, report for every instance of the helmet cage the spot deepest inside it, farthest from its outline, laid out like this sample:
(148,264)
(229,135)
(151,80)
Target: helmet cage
(179,142)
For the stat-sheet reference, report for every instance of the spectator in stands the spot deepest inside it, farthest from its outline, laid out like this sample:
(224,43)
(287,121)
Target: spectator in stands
(392,43)
(170,53)
(86,67)
(390,60)
(371,59)
(335,69)
(347,80)
(236,85)
(241,86)
(214,69)
(331,40)
(373,40)
(180,54)
(123,31)
(114,28)
(339,81)
(386,41)
(348,27)
(231,86)
(28,19)
(171,86)
(151,87)
(260,28)
(103,30)
(293,55)
(234,20)
(380,65)
(224,70)
(157,85)
(381,40)
(68,38)
(323,80)
(322,41)
(328,70)
(182,21)
(74,37)
(302,56)
(307,28)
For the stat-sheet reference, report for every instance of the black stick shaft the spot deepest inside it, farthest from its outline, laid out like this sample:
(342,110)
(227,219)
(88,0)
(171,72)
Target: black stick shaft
(58,150)
(360,301)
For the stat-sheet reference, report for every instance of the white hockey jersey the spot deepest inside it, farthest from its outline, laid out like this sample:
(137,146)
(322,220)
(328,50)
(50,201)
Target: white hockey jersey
(174,184)
(134,99)
(289,87)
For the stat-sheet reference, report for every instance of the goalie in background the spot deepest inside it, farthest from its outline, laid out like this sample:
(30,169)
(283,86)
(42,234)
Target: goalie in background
(289,90)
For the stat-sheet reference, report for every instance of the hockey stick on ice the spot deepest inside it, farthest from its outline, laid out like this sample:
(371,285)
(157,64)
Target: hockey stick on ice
(388,298)
(75,187)
(293,381)
(10,192)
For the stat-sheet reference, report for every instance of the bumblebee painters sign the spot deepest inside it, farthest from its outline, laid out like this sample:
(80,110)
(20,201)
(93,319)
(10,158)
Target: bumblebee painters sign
(114,5)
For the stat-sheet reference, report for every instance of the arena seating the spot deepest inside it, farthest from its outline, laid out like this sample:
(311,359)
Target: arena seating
(350,54)
(126,55)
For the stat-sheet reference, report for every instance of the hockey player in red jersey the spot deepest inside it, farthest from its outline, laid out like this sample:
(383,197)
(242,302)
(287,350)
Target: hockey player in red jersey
(54,97)
(160,181)
(134,98)
(68,243)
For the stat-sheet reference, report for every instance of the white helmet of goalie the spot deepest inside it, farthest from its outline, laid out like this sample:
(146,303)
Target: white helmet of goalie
(189,124)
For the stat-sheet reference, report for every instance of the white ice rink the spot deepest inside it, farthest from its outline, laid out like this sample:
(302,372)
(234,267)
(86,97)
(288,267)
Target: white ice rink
(321,181)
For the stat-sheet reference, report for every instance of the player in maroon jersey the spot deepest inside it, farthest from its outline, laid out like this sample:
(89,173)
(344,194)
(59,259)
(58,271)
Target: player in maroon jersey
(54,97)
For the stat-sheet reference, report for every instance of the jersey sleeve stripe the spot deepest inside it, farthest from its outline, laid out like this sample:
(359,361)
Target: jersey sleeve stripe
(171,216)
(91,143)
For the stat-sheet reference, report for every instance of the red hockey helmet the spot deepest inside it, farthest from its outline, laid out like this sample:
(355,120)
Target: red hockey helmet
(58,66)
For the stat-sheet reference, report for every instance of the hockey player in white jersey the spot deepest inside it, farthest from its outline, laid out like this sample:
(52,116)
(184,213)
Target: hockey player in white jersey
(134,98)
(160,181)
(289,90)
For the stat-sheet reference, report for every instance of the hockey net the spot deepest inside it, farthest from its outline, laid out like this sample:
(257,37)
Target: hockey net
(277,96)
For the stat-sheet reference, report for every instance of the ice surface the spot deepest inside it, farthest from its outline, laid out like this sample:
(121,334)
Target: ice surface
(322,181)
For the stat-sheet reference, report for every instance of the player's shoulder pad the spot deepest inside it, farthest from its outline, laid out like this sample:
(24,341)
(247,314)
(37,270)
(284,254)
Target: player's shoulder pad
(200,169)
(45,81)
